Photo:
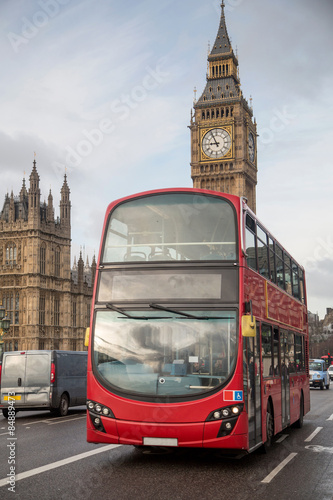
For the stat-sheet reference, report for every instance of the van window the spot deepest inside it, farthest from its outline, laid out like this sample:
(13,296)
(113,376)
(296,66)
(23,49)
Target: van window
(37,370)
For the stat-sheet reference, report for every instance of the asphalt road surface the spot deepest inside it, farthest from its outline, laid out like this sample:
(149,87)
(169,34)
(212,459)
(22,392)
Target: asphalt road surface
(52,460)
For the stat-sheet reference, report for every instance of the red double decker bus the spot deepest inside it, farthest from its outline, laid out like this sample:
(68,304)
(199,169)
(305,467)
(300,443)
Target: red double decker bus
(198,334)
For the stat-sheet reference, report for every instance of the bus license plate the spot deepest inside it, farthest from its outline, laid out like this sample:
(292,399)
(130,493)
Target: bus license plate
(150,441)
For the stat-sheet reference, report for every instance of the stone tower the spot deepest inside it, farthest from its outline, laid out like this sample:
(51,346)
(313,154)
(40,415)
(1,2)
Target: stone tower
(223,131)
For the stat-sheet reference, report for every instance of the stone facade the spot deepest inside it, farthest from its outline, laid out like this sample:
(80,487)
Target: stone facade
(223,131)
(46,307)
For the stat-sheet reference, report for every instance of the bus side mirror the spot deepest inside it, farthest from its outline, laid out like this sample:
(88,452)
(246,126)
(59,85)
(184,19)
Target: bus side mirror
(86,338)
(248,326)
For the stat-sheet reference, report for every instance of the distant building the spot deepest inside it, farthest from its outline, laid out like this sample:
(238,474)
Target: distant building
(47,308)
(321,334)
(328,322)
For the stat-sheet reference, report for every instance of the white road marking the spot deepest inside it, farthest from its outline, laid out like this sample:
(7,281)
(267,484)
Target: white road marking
(318,449)
(49,421)
(307,440)
(60,463)
(331,417)
(65,421)
(282,438)
(277,469)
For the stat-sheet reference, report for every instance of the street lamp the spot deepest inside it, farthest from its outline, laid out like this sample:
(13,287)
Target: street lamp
(4,327)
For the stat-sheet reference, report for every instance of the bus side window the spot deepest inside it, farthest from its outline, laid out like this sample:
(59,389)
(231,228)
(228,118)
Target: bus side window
(299,353)
(291,348)
(276,357)
(295,280)
(301,285)
(272,269)
(267,357)
(251,242)
(279,267)
(287,274)
(262,252)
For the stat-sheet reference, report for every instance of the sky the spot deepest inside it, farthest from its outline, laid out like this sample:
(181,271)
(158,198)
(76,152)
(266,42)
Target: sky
(103,91)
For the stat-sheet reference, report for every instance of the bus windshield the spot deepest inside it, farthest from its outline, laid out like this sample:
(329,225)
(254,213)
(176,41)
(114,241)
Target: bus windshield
(162,352)
(171,226)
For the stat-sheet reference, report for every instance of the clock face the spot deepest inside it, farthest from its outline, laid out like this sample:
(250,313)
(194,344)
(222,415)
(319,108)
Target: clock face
(251,147)
(216,143)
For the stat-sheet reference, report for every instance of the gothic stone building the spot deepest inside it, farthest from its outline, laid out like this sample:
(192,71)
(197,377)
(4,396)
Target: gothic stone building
(223,131)
(46,307)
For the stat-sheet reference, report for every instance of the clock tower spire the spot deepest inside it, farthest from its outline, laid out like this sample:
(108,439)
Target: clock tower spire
(223,132)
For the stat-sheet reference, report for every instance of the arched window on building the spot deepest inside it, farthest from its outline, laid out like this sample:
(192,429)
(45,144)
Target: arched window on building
(42,258)
(56,314)
(11,303)
(11,254)
(57,262)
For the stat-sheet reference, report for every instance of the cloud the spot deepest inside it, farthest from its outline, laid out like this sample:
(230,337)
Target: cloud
(80,82)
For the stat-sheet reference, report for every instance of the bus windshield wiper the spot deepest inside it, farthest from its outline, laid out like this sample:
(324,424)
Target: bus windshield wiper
(186,315)
(120,311)
(109,305)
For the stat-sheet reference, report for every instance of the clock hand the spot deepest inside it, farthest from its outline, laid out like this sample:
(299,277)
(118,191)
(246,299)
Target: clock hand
(216,143)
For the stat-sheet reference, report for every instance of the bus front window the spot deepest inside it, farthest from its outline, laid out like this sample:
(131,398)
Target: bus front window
(169,227)
(164,354)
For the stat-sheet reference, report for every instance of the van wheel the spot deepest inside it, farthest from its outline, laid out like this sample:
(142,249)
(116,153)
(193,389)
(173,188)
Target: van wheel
(5,412)
(63,407)
(328,385)
(322,385)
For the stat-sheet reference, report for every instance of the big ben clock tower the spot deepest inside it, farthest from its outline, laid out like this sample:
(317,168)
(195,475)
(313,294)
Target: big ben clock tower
(223,131)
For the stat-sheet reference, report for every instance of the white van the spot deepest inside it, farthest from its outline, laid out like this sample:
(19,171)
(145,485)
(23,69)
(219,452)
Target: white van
(43,380)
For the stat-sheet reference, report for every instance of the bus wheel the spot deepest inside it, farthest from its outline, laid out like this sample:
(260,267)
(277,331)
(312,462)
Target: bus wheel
(299,422)
(269,428)
(63,407)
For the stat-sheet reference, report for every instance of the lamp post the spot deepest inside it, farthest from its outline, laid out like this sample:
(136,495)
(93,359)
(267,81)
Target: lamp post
(4,327)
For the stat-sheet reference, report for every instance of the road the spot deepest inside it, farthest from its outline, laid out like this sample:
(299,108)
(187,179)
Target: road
(53,461)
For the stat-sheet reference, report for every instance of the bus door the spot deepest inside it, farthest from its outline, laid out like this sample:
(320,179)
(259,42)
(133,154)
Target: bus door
(285,388)
(252,386)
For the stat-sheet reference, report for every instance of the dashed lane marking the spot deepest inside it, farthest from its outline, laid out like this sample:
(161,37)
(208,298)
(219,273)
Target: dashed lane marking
(278,469)
(315,432)
(60,463)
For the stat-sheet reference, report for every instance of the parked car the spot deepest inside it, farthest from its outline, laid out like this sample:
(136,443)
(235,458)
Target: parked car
(43,380)
(319,376)
(330,372)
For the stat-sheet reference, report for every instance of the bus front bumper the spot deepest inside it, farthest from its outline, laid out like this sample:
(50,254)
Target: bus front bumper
(196,435)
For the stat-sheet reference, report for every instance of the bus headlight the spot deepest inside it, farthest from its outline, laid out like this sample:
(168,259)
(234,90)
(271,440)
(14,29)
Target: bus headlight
(225,413)
(228,417)
(96,409)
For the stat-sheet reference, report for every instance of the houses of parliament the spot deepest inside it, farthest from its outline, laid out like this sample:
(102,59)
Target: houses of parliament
(48,302)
